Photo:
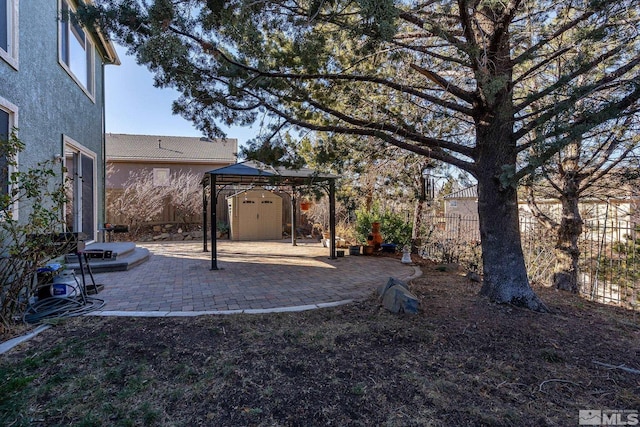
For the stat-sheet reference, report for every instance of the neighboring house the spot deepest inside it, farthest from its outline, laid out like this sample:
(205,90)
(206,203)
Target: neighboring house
(461,214)
(612,216)
(164,156)
(52,91)
(461,211)
(463,203)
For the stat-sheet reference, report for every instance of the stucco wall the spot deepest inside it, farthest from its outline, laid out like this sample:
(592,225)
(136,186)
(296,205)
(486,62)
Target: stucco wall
(50,103)
(122,170)
(467,208)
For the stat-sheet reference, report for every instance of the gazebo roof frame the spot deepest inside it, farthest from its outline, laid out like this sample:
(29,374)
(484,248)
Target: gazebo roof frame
(257,173)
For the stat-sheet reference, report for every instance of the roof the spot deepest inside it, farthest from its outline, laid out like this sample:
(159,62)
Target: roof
(252,172)
(465,193)
(159,148)
(110,54)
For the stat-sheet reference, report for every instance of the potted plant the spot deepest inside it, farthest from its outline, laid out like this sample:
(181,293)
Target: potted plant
(222,229)
(305,204)
(354,249)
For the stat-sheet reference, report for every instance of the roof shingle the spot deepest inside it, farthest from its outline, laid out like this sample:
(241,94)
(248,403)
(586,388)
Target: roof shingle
(169,148)
(465,193)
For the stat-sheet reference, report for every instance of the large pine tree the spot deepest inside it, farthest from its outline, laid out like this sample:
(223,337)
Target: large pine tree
(454,81)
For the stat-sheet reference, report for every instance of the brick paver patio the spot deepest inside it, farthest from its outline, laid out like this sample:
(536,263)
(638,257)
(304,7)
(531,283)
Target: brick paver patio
(253,276)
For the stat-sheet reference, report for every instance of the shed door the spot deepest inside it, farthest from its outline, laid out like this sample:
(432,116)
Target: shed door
(270,217)
(259,218)
(249,223)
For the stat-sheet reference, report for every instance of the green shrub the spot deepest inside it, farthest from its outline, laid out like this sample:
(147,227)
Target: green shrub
(364,219)
(393,227)
(30,241)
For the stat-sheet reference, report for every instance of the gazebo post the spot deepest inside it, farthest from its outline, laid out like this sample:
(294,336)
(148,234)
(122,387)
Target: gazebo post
(214,226)
(332,218)
(204,214)
(294,240)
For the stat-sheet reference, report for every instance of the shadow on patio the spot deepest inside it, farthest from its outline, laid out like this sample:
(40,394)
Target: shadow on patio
(253,276)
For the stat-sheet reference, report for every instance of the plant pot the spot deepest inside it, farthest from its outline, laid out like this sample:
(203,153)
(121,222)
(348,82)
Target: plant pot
(354,250)
(388,248)
(367,250)
(340,254)
(376,237)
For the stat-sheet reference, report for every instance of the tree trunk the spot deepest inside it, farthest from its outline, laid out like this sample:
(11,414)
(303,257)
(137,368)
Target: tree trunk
(505,275)
(416,243)
(567,251)
(565,275)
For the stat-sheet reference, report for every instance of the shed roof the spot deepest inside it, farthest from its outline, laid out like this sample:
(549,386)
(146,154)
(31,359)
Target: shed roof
(150,148)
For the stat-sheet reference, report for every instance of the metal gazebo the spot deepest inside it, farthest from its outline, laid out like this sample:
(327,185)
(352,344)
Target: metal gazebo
(256,173)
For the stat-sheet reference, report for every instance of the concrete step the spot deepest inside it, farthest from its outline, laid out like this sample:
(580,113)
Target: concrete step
(106,257)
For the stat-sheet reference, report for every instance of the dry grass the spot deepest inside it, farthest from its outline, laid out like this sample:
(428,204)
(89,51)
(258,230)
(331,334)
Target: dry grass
(461,361)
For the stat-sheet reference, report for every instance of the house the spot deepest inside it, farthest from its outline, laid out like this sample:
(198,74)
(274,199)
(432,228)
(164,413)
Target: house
(164,157)
(52,91)
(461,211)
(611,217)
(461,214)
(462,203)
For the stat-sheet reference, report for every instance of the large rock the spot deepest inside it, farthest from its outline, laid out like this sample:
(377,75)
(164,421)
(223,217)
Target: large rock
(397,298)
(391,282)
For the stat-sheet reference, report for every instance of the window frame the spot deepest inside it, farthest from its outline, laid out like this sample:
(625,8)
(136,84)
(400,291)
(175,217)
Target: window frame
(10,55)
(12,109)
(161,177)
(72,146)
(67,32)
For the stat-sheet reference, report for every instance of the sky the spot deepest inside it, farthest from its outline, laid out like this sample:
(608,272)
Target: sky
(134,106)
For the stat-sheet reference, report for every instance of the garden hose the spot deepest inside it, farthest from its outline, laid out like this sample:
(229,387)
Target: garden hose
(61,307)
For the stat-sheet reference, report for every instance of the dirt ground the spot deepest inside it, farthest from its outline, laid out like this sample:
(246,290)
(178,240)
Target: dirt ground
(461,361)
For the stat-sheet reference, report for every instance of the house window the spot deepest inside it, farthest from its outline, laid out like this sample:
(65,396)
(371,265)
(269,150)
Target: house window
(76,49)
(9,32)
(8,121)
(4,164)
(453,203)
(161,177)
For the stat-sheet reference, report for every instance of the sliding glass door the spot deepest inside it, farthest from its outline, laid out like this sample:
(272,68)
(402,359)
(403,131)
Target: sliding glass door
(81,189)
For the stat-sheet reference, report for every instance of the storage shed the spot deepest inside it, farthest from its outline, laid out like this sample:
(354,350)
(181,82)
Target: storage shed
(255,214)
